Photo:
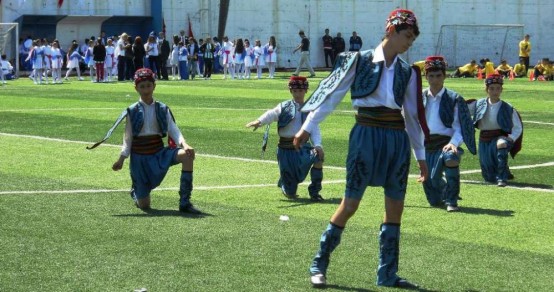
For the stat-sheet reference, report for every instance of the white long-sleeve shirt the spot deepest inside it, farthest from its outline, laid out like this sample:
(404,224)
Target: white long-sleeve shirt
(382,96)
(149,128)
(293,127)
(490,120)
(434,121)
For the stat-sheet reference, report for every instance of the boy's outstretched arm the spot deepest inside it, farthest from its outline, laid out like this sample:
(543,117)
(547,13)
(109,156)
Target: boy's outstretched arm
(254,124)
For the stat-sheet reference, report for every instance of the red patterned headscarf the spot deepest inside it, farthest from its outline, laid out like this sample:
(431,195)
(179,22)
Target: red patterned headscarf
(298,82)
(144,74)
(435,63)
(494,79)
(401,16)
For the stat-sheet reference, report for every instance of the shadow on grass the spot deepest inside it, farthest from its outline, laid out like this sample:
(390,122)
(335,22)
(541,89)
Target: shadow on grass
(344,288)
(515,184)
(473,210)
(307,201)
(530,185)
(484,211)
(165,213)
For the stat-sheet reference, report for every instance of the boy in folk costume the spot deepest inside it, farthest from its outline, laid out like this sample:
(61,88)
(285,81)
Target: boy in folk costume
(449,124)
(147,122)
(501,131)
(386,92)
(295,165)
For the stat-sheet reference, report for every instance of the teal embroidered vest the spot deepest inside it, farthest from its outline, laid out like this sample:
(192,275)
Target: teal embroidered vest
(446,107)
(449,100)
(136,114)
(369,73)
(504,117)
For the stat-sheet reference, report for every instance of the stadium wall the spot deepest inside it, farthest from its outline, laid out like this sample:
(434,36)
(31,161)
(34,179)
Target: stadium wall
(283,18)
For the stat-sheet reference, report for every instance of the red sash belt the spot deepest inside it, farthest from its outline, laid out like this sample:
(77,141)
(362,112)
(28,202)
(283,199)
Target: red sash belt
(147,145)
(436,142)
(488,135)
(285,143)
(382,117)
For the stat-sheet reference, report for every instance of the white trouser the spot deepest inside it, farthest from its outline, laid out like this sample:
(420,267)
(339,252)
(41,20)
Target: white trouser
(304,58)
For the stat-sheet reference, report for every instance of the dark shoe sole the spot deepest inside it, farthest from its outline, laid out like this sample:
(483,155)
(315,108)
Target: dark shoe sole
(317,198)
(190,209)
(405,284)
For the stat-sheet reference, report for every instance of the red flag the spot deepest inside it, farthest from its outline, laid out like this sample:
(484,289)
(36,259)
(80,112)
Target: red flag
(60,3)
(191,35)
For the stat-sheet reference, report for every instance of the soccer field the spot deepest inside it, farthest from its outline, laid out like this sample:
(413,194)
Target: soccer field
(68,223)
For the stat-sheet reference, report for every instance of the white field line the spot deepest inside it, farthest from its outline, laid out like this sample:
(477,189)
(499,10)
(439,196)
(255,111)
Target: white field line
(540,123)
(222,157)
(113,145)
(196,188)
(509,186)
(513,167)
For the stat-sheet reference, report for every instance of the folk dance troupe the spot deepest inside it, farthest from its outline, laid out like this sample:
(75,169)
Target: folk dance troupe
(394,117)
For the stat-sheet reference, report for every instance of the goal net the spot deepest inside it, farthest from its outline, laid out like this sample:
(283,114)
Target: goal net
(460,43)
(9,44)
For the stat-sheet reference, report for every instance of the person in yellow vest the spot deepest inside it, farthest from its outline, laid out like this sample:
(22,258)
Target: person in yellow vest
(520,70)
(488,66)
(525,50)
(466,71)
(548,72)
(543,70)
(504,69)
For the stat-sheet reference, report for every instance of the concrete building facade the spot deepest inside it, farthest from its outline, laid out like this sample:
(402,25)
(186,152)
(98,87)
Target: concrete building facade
(78,19)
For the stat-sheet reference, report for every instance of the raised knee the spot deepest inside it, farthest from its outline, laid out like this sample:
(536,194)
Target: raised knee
(451,163)
(501,144)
